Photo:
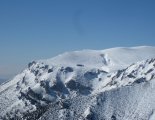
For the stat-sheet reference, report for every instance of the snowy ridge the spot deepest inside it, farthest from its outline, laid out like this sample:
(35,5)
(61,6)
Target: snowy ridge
(136,73)
(86,84)
(111,59)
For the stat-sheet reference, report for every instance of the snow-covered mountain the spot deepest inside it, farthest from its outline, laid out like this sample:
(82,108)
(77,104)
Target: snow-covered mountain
(111,84)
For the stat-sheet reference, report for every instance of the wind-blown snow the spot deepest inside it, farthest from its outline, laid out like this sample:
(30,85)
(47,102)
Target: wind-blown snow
(116,83)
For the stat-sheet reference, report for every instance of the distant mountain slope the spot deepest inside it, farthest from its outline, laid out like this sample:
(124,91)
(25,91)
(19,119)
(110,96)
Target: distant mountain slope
(112,84)
(2,80)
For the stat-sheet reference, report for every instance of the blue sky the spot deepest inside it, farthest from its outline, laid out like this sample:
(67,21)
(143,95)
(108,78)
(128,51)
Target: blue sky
(39,29)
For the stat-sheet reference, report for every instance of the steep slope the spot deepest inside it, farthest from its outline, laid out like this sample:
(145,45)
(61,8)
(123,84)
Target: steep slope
(85,84)
(132,93)
(128,95)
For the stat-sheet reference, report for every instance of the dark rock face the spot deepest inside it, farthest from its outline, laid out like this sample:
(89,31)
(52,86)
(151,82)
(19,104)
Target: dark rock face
(113,117)
(91,116)
(31,63)
(149,71)
(72,85)
(50,70)
(140,80)
(75,86)
(80,65)
(91,75)
(59,87)
(131,75)
(35,114)
(66,69)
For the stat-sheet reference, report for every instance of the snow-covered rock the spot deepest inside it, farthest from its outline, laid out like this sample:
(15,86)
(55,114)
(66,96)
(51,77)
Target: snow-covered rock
(111,84)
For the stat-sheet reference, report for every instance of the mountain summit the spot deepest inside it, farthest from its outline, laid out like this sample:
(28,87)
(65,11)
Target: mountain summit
(111,84)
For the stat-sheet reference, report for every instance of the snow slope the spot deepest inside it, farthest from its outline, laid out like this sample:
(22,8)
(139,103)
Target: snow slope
(109,84)
(110,59)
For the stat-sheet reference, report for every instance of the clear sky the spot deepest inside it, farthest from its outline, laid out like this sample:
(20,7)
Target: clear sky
(40,29)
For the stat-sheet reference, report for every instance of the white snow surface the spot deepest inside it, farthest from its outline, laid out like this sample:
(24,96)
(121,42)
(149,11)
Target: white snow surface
(110,59)
(111,84)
